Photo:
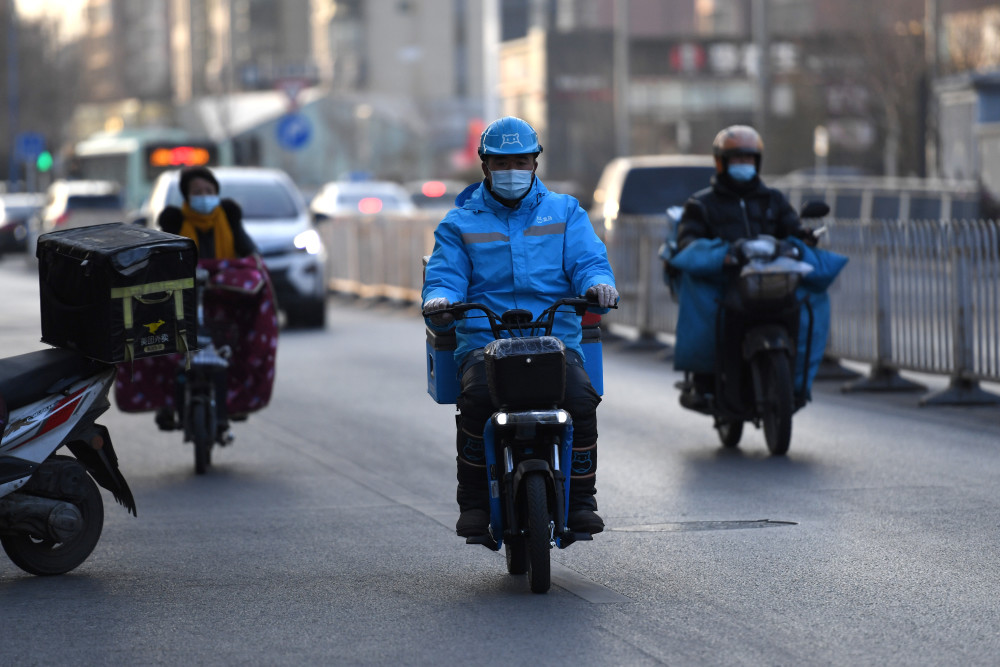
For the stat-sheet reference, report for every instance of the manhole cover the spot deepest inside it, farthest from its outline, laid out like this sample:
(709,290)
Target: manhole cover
(703,525)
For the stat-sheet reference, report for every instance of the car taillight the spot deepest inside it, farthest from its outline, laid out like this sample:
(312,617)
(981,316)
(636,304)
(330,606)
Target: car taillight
(370,205)
(433,189)
(61,220)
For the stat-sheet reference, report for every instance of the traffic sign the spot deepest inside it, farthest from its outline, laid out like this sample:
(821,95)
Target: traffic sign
(294,131)
(27,146)
(292,86)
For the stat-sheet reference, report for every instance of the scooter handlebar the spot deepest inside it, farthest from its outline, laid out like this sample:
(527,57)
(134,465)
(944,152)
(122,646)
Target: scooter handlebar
(545,319)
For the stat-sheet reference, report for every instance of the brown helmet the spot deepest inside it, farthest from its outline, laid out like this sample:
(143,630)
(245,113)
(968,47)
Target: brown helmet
(736,140)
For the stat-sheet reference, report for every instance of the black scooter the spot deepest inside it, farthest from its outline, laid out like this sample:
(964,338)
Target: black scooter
(51,512)
(757,329)
(202,389)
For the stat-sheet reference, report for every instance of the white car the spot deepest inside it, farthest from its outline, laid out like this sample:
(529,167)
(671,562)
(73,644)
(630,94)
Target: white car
(75,203)
(647,185)
(277,219)
(361,197)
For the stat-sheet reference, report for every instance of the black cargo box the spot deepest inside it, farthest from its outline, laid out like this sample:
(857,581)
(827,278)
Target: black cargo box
(117,292)
(526,372)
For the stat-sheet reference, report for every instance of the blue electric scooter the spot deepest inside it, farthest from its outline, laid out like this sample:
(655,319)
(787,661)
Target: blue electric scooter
(529,440)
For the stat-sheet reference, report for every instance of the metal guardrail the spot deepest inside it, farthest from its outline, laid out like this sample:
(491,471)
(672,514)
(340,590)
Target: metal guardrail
(921,296)
(376,256)
(879,198)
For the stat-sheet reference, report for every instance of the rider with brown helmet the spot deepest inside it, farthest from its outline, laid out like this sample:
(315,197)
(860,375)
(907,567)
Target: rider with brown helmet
(738,204)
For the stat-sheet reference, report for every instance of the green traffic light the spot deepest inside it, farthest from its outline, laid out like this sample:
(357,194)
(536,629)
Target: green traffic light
(44,162)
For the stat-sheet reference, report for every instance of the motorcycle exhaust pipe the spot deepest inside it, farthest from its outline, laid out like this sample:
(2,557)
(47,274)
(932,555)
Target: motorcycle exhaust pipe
(43,518)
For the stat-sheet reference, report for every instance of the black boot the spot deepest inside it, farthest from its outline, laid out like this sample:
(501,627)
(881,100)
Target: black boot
(165,419)
(473,522)
(473,500)
(583,516)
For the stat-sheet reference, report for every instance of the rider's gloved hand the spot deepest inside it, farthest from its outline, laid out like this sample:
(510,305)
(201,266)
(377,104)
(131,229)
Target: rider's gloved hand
(605,295)
(787,249)
(736,249)
(734,257)
(808,237)
(432,306)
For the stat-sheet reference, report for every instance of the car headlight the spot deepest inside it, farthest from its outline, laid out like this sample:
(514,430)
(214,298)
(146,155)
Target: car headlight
(309,241)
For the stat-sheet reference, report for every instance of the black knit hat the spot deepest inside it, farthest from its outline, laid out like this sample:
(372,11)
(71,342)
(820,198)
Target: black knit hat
(188,174)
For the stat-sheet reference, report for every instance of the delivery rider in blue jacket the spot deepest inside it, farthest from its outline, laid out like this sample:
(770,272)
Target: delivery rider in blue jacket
(511,243)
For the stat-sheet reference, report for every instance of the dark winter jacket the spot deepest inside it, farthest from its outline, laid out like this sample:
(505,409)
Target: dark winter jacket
(729,212)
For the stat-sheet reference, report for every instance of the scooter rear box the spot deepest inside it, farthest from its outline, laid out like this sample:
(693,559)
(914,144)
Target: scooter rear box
(526,372)
(117,292)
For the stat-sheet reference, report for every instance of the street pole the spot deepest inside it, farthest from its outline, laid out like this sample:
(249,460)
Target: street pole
(491,60)
(229,74)
(620,78)
(762,43)
(932,20)
(12,93)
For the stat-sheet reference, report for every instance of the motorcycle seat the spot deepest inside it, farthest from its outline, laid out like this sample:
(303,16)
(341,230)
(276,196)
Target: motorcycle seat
(29,377)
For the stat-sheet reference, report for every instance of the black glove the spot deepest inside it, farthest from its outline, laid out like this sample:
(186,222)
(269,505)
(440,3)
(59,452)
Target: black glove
(808,237)
(735,255)
(788,249)
(438,319)
(605,295)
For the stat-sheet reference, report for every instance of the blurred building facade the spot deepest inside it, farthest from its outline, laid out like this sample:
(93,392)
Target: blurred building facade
(419,60)
(967,93)
(852,70)
(125,63)
(142,59)
(398,88)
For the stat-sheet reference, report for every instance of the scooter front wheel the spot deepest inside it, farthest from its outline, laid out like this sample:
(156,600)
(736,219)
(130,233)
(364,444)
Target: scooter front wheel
(44,557)
(730,432)
(201,432)
(538,540)
(779,401)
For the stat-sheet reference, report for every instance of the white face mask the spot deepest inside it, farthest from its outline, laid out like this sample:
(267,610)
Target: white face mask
(511,183)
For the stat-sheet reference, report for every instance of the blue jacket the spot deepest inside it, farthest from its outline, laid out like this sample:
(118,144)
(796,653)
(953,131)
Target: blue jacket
(526,257)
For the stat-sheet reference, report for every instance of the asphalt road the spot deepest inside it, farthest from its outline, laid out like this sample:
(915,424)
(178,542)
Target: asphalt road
(325,533)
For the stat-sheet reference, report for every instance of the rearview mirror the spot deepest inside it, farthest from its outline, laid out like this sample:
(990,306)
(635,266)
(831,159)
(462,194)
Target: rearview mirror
(815,209)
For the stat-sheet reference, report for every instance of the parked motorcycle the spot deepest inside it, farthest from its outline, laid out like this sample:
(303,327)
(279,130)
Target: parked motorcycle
(757,337)
(529,440)
(51,512)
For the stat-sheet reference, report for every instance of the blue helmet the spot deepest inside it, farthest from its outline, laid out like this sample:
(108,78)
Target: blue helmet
(508,136)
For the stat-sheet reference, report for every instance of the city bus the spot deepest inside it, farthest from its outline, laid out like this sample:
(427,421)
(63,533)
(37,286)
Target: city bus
(134,158)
